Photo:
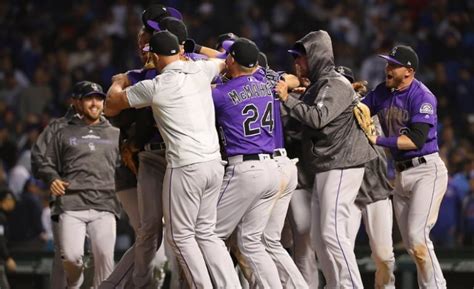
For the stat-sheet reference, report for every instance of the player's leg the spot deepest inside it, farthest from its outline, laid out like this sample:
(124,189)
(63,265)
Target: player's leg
(428,184)
(299,215)
(214,251)
(182,190)
(72,234)
(150,231)
(254,221)
(58,276)
(123,270)
(378,220)
(289,274)
(353,225)
(101,230)
(337,190)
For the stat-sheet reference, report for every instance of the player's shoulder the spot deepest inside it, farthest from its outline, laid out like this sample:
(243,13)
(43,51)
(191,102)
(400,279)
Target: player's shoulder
(420,89)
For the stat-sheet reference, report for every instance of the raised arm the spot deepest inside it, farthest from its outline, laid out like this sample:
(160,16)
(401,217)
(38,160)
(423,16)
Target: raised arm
(116,100)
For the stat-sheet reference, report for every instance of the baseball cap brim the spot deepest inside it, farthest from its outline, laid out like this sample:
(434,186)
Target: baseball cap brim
(153,24)
(226,44)
(174,13)
(95,92)
(295,53)
(390,59)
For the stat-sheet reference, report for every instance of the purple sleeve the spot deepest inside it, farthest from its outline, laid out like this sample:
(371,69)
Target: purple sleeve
(423,108)
(369,101)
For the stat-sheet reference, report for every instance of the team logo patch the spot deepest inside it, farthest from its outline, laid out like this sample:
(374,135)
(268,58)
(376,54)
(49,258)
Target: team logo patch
(426,108)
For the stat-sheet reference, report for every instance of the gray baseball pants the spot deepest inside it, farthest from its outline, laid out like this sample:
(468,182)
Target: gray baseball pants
(378,222)
(100,227)
(144,209)
(418,195)
(58,276)
(299,215)
(122,276)
(245,203)
(334,193)
(290,276)
(190,196)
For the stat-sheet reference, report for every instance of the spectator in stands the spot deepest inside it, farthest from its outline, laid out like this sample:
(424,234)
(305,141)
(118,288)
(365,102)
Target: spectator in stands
(7,204)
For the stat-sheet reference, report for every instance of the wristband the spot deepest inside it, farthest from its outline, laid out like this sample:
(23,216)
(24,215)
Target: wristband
(388,142)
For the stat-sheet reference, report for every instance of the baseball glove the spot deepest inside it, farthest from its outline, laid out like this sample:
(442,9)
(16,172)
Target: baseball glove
(129,154)
(362,115)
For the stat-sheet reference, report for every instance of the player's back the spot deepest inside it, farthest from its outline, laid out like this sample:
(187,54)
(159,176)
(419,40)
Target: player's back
(244,112)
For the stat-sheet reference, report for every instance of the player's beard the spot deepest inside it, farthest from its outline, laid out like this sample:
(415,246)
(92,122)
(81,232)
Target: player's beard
(92,113)
(393,81)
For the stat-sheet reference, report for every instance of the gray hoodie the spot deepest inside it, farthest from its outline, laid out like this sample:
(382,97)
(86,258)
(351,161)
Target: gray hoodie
(331,137)
(85,156)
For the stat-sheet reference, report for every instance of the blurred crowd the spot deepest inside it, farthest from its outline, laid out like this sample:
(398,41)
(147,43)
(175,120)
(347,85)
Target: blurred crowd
(46,46)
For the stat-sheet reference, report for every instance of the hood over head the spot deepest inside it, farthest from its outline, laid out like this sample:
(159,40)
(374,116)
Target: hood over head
(318,47)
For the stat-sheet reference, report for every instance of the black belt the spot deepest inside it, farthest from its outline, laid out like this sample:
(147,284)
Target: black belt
(406,164)
(158,146)
(253,157)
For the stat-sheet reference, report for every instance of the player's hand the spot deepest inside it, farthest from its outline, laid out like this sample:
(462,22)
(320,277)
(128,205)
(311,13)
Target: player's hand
(58,187)
(299,90)
(10,264)
(121,79)
(281,90)
(372,139)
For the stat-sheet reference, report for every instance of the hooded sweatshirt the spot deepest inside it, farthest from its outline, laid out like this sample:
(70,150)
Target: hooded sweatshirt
(85,156)
(331,138)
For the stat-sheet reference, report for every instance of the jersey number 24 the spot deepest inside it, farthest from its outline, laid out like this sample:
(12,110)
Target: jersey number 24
(251,127)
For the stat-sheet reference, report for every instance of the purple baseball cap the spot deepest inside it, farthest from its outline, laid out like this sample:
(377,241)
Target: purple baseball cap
(156,12)
(226,44)
(173,25)
(402,55)
(297,50)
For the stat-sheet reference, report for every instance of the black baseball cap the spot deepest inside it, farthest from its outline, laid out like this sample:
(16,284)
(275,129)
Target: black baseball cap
(346,72)
(297,50)
(86,88)
(223,37)
(173,25)
(402,55)
(163,43)
(245,52)
(156,12)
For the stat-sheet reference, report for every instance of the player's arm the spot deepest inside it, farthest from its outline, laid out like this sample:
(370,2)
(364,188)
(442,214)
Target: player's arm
(325,108)
(116,100)
(50,169)
(190,46)
(414,139)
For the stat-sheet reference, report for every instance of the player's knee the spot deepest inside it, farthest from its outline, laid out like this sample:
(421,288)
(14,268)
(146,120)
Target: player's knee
(383,255)
(71,258)
(249,245)
(419,252)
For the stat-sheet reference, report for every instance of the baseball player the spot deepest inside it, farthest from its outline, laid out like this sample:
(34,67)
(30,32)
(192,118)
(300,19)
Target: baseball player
(290,276)
(244,112)
(337,149)
(182,106)
(80,169)
(407,112)
(38,160)
(374,205)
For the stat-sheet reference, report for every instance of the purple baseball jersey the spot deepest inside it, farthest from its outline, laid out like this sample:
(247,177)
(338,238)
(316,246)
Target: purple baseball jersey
(138,75)
(244,113)
(397,110)
(272,77)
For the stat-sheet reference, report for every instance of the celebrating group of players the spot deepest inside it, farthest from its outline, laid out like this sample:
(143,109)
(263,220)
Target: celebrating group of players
(231,195)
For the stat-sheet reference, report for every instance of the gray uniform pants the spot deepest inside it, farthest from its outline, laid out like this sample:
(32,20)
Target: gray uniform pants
(245,203)
(299,215)
(144,209)
(100,227)
(58,276)
(190,196)
(334,193)
(378,222)
(418,195)
(290,276)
